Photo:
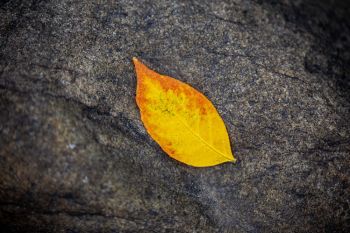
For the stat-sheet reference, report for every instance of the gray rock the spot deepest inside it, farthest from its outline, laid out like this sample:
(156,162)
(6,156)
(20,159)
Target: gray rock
(75,157)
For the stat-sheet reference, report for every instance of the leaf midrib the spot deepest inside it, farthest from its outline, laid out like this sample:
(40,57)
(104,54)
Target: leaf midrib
(200,138)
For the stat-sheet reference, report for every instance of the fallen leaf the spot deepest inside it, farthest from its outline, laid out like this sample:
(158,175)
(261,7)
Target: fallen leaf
(181,120)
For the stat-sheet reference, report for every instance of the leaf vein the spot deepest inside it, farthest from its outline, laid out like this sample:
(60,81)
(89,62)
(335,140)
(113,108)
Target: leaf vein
(200,138)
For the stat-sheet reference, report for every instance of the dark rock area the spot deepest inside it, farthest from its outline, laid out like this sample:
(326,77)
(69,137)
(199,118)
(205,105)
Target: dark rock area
(75,157)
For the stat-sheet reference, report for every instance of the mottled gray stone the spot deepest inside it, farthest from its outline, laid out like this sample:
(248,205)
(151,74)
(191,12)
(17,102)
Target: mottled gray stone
(75,157)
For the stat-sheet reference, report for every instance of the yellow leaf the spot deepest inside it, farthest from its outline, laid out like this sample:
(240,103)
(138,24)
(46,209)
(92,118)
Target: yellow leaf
(181,120)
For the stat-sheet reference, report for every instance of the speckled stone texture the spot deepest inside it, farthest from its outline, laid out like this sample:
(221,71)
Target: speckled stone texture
(75,157)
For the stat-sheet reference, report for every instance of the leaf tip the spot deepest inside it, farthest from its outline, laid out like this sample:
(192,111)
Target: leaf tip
(135,60)
(138,66)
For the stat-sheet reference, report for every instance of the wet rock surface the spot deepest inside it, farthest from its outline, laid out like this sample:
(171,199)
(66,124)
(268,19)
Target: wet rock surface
(75,157)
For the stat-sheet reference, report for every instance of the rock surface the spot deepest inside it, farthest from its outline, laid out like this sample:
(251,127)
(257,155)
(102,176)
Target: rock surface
(75,157)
